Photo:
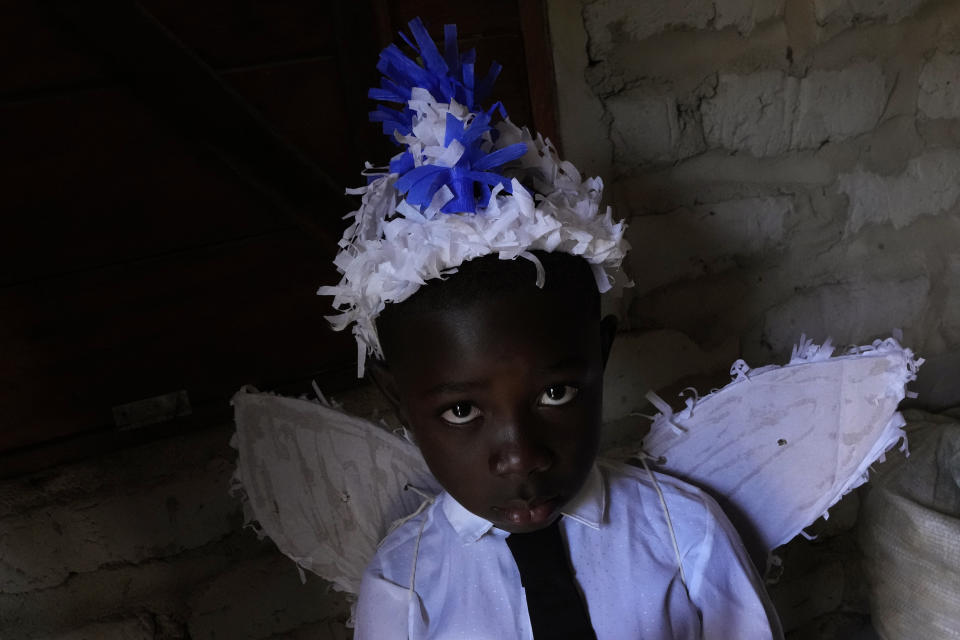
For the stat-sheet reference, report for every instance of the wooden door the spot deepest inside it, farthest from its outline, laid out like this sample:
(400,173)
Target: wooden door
(173,195)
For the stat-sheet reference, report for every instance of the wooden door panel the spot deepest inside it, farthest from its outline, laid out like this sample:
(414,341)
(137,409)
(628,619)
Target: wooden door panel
(38,55)
(473,20)
(99,179)
(302,102)
(206,320)
(236,33)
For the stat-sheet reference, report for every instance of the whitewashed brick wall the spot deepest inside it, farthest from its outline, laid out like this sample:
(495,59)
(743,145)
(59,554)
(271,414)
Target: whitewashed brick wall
(785,167)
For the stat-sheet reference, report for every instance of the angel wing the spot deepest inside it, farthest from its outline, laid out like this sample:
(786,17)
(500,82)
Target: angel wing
(325,486)
(779,446)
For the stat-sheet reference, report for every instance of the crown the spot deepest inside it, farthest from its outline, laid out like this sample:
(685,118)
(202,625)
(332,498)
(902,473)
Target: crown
(466,184)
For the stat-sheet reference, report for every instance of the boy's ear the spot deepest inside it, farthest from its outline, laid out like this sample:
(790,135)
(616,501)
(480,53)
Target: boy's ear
(382,377)
(608,330)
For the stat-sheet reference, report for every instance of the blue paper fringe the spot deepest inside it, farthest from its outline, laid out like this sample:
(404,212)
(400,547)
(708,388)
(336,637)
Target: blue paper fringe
(448,76)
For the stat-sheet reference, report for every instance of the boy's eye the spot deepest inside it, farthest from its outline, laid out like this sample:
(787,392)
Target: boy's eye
(558,394)
(461,413)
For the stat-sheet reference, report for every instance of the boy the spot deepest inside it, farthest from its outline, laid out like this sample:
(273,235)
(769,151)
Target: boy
(482,312)
(501,384)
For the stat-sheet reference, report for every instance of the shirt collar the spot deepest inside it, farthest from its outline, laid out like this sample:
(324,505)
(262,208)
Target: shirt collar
(469,526)
(587,507)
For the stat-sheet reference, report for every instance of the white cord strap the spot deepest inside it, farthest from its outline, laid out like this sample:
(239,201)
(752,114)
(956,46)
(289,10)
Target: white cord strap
(666,513)
(427,501)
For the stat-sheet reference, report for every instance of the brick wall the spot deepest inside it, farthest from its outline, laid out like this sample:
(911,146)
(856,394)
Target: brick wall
(786,166)
(146,544)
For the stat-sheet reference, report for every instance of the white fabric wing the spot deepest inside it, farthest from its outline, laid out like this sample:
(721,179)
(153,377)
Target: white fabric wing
(323,485)
(780,445)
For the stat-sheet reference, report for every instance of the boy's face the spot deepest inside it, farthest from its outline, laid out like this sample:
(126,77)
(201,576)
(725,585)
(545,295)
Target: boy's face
(504,398)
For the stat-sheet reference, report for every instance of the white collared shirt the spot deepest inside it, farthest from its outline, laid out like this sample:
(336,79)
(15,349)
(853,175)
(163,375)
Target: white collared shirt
(449,573)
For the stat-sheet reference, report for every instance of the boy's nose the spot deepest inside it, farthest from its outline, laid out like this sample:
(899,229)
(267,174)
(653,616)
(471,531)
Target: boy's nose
(519,454)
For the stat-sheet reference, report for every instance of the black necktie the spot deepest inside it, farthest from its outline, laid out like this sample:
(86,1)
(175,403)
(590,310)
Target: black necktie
(556,609)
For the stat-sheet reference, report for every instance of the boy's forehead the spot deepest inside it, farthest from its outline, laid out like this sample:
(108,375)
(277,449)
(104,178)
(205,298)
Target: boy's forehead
(537,328)
(501,311)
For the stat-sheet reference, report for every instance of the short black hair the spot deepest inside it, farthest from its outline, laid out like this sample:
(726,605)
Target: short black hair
(488,276)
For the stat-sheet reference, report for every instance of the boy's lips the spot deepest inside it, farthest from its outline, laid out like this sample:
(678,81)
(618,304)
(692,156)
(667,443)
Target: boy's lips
(529,512)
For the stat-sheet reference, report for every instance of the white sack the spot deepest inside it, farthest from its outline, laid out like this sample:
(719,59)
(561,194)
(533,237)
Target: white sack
(910,534)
